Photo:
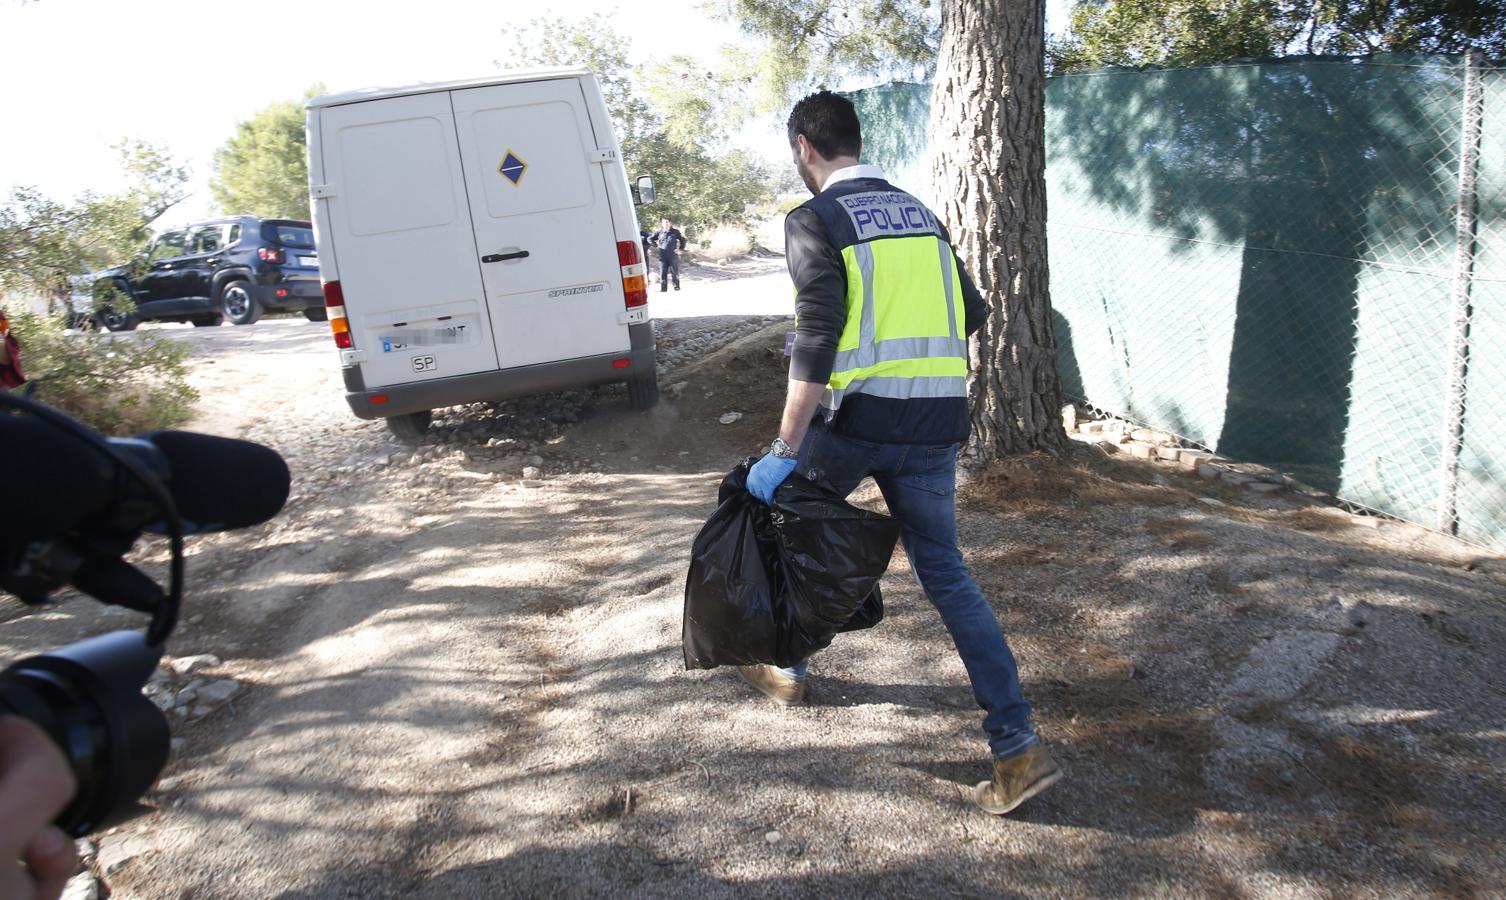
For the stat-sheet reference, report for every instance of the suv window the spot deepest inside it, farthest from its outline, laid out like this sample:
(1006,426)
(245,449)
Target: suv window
(235,234)
(206,239)
(288,234)
(168,245)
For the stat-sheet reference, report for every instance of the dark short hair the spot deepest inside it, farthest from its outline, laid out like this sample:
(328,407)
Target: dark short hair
(829,122)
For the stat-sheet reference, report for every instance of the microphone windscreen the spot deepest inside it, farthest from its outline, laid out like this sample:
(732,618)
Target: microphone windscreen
(221,483)
(52,480)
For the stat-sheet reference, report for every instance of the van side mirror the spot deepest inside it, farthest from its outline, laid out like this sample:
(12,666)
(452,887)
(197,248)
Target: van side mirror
(646,192)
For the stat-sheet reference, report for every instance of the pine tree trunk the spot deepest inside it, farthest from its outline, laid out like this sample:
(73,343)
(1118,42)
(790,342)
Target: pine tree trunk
(987,120)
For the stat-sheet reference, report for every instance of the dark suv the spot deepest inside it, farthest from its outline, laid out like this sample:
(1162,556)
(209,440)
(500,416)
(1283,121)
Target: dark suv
(233,268)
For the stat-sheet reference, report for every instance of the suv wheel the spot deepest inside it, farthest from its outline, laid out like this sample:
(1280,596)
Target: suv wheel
(240,306)
(118,321)
(410,428)
(213,321)
(316,314)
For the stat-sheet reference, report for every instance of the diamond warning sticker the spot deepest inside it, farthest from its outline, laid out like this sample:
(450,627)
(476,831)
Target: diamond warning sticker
(512,167)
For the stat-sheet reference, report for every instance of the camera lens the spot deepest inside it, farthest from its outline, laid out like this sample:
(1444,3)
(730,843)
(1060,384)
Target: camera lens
(87,697)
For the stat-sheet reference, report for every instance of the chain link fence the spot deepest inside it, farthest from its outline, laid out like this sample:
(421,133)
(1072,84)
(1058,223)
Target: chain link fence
(1296,262)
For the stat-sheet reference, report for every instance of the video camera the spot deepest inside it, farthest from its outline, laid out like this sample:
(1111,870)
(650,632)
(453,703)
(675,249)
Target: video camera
(75,504)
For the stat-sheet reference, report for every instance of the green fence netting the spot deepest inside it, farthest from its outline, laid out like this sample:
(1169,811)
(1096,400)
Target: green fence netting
(1265,259)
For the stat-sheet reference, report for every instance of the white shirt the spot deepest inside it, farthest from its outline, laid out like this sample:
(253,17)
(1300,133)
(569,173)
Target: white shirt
(858,171)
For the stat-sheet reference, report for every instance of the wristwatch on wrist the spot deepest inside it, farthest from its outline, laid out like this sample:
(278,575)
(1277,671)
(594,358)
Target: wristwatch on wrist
(781,450)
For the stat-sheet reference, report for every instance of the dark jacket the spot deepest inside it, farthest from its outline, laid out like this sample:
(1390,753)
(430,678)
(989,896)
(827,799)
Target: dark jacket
(814,235)
(669,241)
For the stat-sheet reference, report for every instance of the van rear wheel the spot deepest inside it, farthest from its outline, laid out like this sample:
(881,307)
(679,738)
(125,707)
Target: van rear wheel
(410,428)
(316,314)
(643,392)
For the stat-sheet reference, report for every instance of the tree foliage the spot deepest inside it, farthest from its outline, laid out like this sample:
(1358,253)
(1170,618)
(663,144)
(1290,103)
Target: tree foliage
(816,43)
(115,384)
(672,119)
(1191,32)
(263,169)
(811,43)
(43,242)
(701,105)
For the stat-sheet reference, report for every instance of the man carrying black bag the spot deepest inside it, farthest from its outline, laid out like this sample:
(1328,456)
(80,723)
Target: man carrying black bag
(884,308)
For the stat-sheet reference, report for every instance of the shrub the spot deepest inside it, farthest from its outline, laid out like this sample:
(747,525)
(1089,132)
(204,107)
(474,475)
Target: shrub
(116,384)
(788,204)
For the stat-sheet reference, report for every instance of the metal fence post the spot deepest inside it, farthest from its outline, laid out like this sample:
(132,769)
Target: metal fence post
(1464,264)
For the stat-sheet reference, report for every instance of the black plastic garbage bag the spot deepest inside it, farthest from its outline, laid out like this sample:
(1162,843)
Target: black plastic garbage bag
(776,584)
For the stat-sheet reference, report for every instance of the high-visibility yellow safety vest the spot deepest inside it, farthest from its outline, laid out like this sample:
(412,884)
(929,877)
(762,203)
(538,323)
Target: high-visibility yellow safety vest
(904,337)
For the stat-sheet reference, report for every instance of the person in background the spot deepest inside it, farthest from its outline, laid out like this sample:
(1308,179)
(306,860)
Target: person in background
(878,386)
(648,255)
(670,242)
(11,375)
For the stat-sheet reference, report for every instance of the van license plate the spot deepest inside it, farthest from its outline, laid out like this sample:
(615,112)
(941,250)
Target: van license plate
(424,364)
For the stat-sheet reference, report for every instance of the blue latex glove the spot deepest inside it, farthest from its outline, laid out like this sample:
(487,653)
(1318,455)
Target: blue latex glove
(767,474)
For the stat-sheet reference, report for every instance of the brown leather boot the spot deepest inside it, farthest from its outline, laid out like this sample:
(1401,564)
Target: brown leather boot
(1016,779)
(776,685)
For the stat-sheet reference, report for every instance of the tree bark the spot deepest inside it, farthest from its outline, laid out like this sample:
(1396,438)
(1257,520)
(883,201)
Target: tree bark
(988,112)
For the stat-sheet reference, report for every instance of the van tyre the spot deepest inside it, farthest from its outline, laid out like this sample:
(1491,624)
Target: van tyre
(643,392)
(410,428)
(240,305)
(316,314)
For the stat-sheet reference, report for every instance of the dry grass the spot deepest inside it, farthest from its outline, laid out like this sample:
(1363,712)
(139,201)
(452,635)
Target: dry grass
(1221,581)
(1261,713)
(1035,485)
(1378,785)
(550,604)
(599,563)
(1030,555)
(1318,519)
(1178,535)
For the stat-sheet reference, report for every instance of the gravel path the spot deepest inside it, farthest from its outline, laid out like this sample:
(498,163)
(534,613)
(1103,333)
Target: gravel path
(461,675)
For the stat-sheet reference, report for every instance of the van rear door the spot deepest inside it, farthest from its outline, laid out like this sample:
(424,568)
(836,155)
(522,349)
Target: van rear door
(397,217)
(543,224)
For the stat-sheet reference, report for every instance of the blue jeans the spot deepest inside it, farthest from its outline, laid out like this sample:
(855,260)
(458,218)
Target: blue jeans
(919,484)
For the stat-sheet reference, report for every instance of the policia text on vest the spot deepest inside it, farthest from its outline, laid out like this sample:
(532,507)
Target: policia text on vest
(891,214)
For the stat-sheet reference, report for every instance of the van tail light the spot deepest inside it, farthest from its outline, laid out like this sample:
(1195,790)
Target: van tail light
(271,254)
(634,274)
(334,306)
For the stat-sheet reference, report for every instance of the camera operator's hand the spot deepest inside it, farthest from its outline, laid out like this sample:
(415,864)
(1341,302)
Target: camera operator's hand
(35,785)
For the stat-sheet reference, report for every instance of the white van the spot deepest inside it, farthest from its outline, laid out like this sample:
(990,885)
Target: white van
(477,241)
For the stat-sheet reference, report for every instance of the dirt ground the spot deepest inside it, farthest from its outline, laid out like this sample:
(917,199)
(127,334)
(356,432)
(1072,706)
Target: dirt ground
(463,684)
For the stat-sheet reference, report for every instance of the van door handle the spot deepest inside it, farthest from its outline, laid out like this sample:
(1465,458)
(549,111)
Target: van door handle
(504,257)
